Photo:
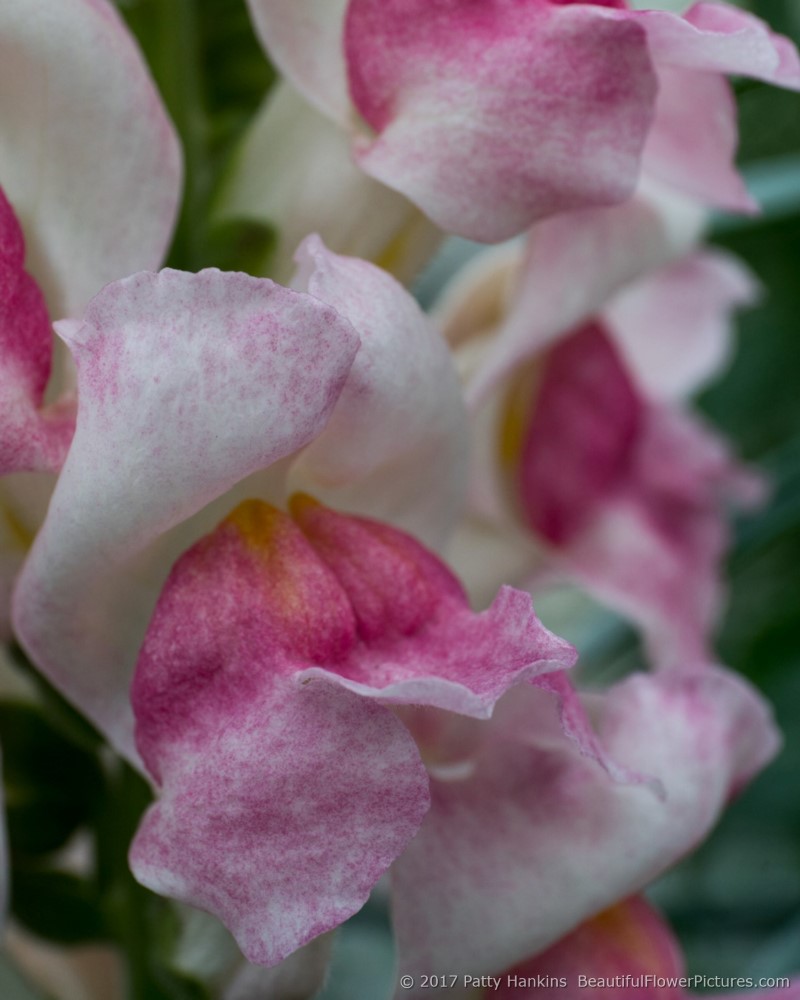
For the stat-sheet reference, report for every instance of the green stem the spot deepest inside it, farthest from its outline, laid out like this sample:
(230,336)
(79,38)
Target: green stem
(127,902)
(169,34)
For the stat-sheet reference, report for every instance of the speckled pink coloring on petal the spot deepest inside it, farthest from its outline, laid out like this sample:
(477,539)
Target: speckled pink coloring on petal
(288,786)
(579,443)
(30,439)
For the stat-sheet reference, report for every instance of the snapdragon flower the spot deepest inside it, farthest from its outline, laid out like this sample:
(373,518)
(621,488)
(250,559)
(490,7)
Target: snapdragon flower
(578,354)
(490,117)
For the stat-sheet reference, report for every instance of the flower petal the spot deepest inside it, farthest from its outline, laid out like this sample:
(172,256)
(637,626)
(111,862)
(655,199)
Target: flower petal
(302,974)
(88,156)
(187,384)
(396,445)
(692,144)
(653,551)
(586,420)
(685,310)
(281,801)
(629,939)
(304,40)
(287,813)
(694,136)
(536,839)
(294,171)
(630,496)
(31,438)
(573,264)
(423,644)
(491,118)
(721,38)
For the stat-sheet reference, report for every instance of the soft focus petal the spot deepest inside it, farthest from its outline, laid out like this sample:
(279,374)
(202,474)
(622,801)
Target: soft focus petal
(300,975)
(536,839)
(396,445)
(587,417)
(721,38)
(490,118)
(694,136)
(31,439)
(484,554)
(693,141)
(629,496)
(295,172)
(187,384)
(653,551)
(674,328)
(629,939)
(88,157)
(572,265)
(304,38)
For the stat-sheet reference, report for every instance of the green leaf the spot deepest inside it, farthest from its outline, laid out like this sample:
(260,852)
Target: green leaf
(52,786)
(57,907)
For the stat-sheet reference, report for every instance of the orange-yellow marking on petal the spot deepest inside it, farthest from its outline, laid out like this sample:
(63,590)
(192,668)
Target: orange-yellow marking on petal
(304,598)
(19,534)
(516,415)
(633,928)
(260,524)
(410,247)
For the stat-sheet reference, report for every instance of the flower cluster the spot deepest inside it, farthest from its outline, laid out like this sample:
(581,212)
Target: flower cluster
(278,542)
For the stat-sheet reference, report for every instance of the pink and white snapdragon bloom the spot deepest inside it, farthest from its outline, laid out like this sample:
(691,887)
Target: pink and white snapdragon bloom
(197,391)
(312,700)
(579,354)
(90,179)
(491,116)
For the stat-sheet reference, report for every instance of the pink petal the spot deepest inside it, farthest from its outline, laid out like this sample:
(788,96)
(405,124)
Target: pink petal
(692,143)
(304,40)
(31,438)
(653,551)
(421,643)
(674,328)
(629,496)
(236,727)
(492,118)
(693,140)
(88,156)
(396,444)
(580,440)
(536,839)
(311,176)
(721,38)
(287,813)
(187,384)
(630,939)
(572,265)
